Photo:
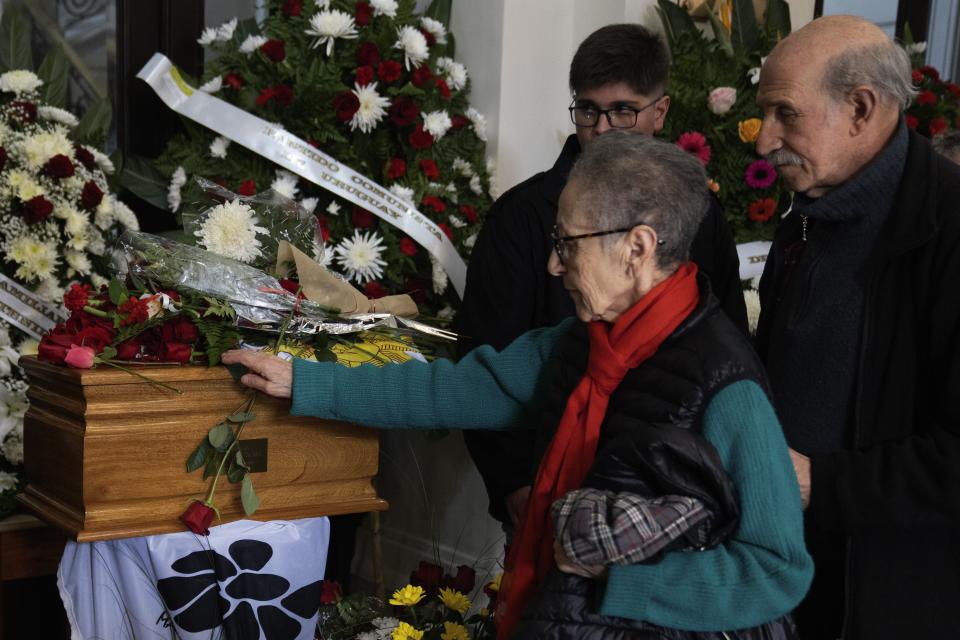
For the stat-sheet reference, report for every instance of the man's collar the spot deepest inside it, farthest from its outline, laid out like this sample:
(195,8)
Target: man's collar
(557,176)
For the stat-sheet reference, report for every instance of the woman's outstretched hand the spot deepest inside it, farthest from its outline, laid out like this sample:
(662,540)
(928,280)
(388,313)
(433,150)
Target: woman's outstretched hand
(267,372)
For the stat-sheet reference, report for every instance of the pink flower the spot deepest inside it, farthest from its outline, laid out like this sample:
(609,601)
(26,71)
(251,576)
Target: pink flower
(80,357)
(694,142)
(760,174)
(721,99)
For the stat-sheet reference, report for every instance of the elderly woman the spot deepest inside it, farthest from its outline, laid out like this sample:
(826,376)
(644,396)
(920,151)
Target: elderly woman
(658,436)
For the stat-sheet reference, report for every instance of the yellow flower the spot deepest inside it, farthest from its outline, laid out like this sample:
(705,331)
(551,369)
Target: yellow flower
(454,631)
(484,613)
(749,130)
(494,585)
(404,631)
(454,600)
(408,596)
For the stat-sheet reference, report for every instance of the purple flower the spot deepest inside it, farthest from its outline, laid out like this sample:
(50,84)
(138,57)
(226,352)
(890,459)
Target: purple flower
(760,174)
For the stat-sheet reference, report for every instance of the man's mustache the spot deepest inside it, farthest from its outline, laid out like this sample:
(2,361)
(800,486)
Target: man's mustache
(783,157)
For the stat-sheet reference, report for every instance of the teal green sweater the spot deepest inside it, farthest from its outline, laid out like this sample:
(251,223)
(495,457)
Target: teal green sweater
(759,573)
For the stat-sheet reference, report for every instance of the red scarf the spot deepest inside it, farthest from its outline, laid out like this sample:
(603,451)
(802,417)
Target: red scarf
(614,350)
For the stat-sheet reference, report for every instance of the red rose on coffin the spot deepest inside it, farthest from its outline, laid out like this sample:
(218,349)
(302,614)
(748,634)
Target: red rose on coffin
(364,75)
(175,352)
(292,8)
(198,517)
(389,70)
(54,346)
(234,80)
(364,14)
(91,195)
(59,166)
(403,112)
(346,104)
(430,169)
(420,138)
(129,349)
(96,337)
(247,188)
(368,54)
(330,592)
(179,330)
(37,209)
(274,49)
(396,169)
(408,247)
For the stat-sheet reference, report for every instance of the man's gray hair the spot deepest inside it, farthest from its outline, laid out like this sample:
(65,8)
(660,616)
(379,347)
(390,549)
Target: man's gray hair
(629,179)
(885,67)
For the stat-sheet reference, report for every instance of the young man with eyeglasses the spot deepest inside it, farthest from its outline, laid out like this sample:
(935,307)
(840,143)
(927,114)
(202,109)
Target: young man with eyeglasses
(618,77)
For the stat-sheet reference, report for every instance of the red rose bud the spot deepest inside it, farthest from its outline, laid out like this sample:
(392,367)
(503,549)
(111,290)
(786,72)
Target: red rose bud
(37,209)
(25,111)
(396,169)
(434,203)
(458,122)
(59,166)
(80,357)
(937,125)
(247,188)
(368,54)
(76,297)
(198,517)
(374,290)
(274,50)
(234,80)
(429,169)
(345,104)
(292,8)
(175,352)
(444,89)
(420,138)
(408,247)
(85,157)
(926,97)
(389,71)
(364,75)
(364,14)
(3,157)
(284,95)
(129,349)
(362,218)
(330,592)
(468,212)
(446,229)
(421,76)
(404,111)
(53,347)
(91,195)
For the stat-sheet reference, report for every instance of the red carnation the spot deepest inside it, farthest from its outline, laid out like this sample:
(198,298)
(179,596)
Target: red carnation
(420,138)
(444,89)
(274,49)
(37,209)
(364,75)
(468,212)
(408,247)
(85,157)
(434,203)
(396,169)
(59,166)
(762,210)
(404,111)
(247,188)
(927,97)
(234,81)
(446,229)
(284,95)
(389,70)
(91,195)
(362,218)
(368,54)
(374,290)
(430,169)
(458,122)
(134,311)
(346,104)
(364,14)
(3,157)
(129,349)
(198,517)
(937,125)
(421,76)
(912,121)
(26,111)
(930,72)
(76,297)
(292,8)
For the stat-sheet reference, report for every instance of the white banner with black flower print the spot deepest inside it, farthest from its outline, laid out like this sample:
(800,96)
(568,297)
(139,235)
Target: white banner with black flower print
(251,580)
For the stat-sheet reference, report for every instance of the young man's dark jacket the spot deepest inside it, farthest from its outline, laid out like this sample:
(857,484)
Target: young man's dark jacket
(509,292)
(891,497)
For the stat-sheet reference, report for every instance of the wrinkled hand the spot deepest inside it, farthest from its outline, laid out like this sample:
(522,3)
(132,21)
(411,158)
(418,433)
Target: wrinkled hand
(801,466)
(566,565)
(268,373)
(517,505)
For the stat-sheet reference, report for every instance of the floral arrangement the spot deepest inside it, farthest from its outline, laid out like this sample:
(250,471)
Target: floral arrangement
(373,85)
(713,112)
(433,606)
(57,216)
(937,105)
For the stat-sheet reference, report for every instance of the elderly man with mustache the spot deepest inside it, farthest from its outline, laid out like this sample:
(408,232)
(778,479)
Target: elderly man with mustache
(860,333)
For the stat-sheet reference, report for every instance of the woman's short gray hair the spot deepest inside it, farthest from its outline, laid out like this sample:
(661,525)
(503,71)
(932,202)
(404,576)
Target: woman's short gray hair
(884,66)
(629,179)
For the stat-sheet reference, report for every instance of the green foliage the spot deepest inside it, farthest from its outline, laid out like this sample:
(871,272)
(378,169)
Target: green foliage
(141,178)
(15,51)
(95,124)
(248,496)
(217,337)
(54,72)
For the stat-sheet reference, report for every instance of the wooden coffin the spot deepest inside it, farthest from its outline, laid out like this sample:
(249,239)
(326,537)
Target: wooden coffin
(105,452)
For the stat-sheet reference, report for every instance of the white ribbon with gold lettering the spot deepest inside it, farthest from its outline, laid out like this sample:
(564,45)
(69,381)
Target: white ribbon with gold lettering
(753,256)
(294,154)
(25,310)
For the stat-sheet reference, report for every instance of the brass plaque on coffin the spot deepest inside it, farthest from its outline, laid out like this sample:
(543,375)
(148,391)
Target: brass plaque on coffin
(105,452)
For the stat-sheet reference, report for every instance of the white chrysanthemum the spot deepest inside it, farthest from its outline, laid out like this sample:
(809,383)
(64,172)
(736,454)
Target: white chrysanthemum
(436,123)
(49,289)
(56,114)
(285,184)
(78,262)
(446,313)
(470,241)
(20,81)
(102,217)
(439,276)
(39,148)
(79,241)
(213,85)
(475,185)
(230,229)
(4,133)
(384,8)
(463,167)
(8,481)
(456,73)
(404,193)
(37,259)
(457,222)
(103,160)
(177,180)
(225,31)
(96,245)
(13,406)
(360,257)
(479,123)
(13,450)
(414,46)
(23,186)
(218,148)
(323,254)
(752,299)
(327,26)
(333,208)
(208,36)
(252,43)
(373,107)
(309,204)
(125,216)
(75,222)
(322,4)
(434,28)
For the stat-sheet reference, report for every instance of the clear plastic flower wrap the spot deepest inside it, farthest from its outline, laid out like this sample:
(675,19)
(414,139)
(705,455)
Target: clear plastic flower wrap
(249,228)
